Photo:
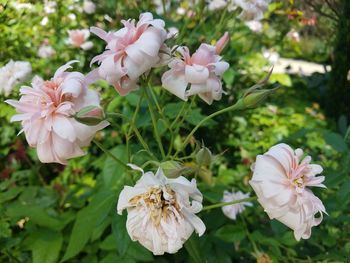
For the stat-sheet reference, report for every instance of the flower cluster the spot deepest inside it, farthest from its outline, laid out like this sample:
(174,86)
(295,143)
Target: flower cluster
(60,117)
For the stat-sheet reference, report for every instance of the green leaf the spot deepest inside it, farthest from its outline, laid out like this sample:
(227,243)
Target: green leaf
(231,233)
(336,141)
(119,231)
(113,171)
(36,214)
(283,79)
(193,248)
(87,219)
(10,194)
(45,245)
(139,253)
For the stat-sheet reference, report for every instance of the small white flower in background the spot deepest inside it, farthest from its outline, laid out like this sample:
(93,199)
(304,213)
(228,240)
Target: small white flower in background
(231,211)
(271,55)
(46,51)
(159,6)
(89,7)
(44,21)
(180,11)
(255,26)
(19,6)
(12,74)
(77,38)
(281,178)
(293,35)
(217,4)
(72,16)
(49,7)
(252,9)
(161,211)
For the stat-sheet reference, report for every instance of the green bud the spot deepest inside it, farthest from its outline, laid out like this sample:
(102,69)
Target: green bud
(253,99)
(204,157)
(90,115)
(171,169)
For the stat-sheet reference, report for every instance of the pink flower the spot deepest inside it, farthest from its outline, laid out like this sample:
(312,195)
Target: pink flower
(130,52)
(202,71)
(45,111)
(77,38)
(281,179)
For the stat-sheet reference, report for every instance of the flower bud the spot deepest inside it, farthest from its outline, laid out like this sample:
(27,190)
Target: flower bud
(90,115)
(172,169)
(253,99)
(204,156)
(222,43)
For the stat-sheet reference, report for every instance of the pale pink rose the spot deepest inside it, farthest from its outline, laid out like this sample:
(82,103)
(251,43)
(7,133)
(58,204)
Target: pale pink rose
(46,51)
(161,211)
(130,52)
(46,109)
(231,211)
(201,72)
(77,38)
(281,179)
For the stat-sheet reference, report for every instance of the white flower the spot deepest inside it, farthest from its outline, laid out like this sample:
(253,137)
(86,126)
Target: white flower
(12,74)
(255,26)
(161,211)
(172,32)
(217,4)
(46,51)
(271,55)
(159,6)
(19,6)
(49,7)
(89,7)
(293,35)
(231,211)
(252,9)
(281,179)
(44,21)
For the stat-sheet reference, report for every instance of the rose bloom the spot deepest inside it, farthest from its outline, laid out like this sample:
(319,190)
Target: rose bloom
(45,111)
(231,211)
(12,74)
(161,211)
(252,9)
(201,71)
(281,179)
(77,38)
(130,52)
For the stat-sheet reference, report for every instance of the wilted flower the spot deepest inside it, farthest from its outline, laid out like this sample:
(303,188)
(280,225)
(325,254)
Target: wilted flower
(202,71)
(281,179)
(45,111)
(89,7)
(255,26)
(12,74)
(77,38)
(231,211)
(130,52)
(252,9)
(161,211)
(46,51)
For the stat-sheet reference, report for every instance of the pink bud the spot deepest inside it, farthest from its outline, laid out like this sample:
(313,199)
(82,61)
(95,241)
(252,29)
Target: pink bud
(222,42)
(90,115)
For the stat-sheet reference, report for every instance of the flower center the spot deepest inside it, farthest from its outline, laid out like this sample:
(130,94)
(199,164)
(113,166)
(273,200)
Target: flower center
(161,202)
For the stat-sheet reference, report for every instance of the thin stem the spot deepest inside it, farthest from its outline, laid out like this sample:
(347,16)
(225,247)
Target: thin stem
(136,131)
(239,105)
(99,145)
(154,122)
(229,203)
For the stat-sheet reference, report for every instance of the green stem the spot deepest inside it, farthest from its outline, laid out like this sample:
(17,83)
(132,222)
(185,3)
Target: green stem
(237,106)
(99,145)
(154,122)
(134,128)
(229,203)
